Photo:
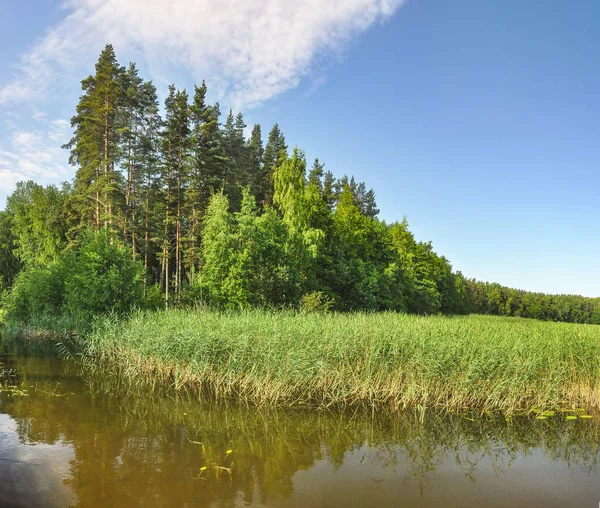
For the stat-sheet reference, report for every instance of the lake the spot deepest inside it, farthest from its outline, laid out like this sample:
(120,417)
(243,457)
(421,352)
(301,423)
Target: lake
(73,439)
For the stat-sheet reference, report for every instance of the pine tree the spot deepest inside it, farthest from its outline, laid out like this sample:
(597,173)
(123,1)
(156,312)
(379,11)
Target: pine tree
(98,188)
(329,190)
(148,175)
(133,115)
(177,143)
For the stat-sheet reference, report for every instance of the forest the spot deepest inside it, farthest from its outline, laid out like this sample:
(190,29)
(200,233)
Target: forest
(172,207)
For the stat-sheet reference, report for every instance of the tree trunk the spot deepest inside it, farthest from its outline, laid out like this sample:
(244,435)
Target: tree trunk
(178,226)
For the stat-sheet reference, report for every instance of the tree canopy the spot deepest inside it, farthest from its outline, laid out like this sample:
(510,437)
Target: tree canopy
(205,214)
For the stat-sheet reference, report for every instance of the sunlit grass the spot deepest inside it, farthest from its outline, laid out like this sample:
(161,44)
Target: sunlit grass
(289,359)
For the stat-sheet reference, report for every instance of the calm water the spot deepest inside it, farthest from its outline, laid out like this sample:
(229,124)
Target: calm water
(70,441)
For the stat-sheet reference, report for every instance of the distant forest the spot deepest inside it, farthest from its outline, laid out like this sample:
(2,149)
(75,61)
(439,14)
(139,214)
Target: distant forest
(208,216)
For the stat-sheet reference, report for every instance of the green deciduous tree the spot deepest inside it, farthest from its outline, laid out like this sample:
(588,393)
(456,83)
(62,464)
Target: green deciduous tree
(37,221)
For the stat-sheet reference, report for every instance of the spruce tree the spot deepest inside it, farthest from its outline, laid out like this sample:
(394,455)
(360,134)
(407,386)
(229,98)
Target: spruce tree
(315,176)
(254,151)
(329,189)
(274,155)
(206,171)
(236,171)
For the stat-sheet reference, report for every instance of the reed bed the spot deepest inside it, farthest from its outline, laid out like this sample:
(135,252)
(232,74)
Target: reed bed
(385,359)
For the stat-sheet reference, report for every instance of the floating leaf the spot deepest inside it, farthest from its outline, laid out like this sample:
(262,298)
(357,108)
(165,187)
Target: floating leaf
(229,451)
(548,413)
(571,417)
(203,468)
(585,416)
(541,417)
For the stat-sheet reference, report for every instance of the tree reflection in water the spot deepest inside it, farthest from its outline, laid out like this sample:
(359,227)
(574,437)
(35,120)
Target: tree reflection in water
(132,446)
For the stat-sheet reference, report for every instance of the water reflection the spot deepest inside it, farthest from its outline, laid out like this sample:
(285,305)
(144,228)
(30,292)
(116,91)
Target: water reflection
(122,447)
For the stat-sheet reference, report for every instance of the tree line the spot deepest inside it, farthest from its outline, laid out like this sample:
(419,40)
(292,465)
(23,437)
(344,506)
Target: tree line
(189,210)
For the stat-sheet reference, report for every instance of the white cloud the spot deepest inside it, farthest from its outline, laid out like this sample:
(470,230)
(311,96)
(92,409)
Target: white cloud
(35,155)
(247,50)
(38,115)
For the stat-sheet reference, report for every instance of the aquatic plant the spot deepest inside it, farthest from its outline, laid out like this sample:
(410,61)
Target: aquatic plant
(397,360)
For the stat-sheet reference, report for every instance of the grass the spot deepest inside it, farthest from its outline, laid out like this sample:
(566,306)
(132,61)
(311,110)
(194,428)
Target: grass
(47,326)
(385,359)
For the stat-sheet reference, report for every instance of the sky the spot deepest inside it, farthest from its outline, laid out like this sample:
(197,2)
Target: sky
(478,121)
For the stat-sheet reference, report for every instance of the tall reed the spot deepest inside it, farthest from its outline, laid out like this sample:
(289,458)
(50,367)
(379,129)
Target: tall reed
(397,360)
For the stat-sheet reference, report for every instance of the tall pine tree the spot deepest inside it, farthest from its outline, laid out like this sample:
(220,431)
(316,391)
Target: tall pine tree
(98,190)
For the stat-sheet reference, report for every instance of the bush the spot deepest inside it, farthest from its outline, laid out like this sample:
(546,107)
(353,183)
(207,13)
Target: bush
(98,277)
(316,301)
(102,277)
(36,291)
(155,298)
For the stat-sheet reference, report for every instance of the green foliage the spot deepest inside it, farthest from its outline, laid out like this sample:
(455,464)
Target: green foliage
(494,299)
(96,278)
(37,223)
(95,147)
(245,257)
(274,154)
(102,277)
(153,299)
(219,254)
(36,291)
(218,219)
(9,262)
(315,301)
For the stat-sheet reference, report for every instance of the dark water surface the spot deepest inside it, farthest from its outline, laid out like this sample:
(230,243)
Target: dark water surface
(70,441)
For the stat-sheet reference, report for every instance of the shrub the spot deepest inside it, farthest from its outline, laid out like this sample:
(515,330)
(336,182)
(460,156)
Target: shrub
(102,277)
(36,291)
(154,299)
(316,301)
(98,277)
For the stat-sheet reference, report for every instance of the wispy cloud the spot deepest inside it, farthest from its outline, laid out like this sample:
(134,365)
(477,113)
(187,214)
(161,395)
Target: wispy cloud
(34,155)
(249,51)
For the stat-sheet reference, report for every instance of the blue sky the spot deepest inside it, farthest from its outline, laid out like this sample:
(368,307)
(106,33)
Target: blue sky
(479,121)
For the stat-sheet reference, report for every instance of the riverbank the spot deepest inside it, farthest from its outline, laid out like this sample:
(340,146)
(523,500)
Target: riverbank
(386,359)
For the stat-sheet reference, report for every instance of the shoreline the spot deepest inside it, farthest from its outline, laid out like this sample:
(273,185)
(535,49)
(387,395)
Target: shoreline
(396,361)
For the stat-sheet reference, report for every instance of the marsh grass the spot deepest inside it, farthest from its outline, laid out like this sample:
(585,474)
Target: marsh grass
(48,326)
(384,359)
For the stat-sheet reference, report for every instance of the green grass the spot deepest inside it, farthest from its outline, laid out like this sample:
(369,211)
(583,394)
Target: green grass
(396,360)
(46,326)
